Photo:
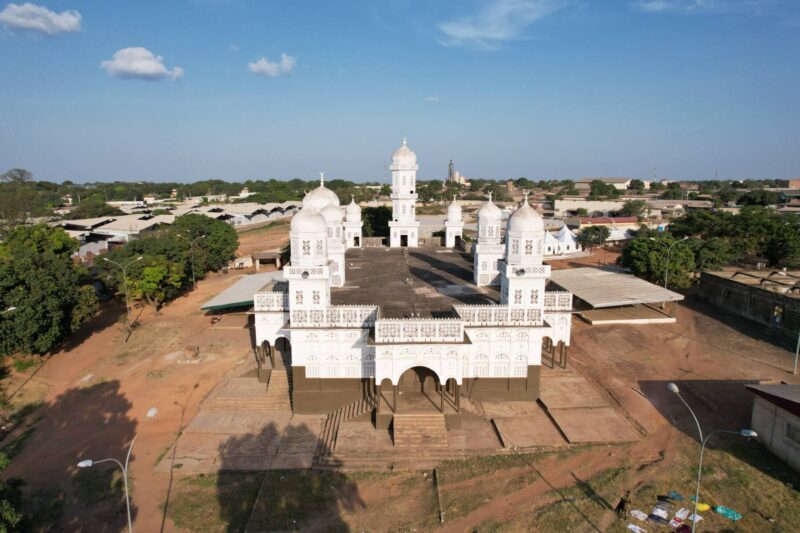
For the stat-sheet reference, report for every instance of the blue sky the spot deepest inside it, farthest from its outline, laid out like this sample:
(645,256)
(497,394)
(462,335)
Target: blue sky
(236,89)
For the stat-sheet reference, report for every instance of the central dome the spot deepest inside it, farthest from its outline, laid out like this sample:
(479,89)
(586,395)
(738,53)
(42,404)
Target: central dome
(404,156)
(321,197)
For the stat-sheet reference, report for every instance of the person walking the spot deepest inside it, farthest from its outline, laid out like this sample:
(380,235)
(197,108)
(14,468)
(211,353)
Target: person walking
(622,506)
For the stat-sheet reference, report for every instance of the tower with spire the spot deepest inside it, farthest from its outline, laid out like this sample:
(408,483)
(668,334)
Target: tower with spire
(404,226)
(488,249)
(454,224)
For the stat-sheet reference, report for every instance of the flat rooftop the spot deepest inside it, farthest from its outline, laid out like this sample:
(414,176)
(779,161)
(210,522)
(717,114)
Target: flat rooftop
(611,287)
(425,281)
(783,282)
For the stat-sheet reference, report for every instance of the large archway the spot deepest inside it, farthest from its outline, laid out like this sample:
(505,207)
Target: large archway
(419,390)
(282,350)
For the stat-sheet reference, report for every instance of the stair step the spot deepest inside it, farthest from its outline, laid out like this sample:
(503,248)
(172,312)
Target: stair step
(418,431)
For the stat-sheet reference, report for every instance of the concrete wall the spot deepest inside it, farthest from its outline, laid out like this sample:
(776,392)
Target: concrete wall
(751,302)
(770,422)
(560,207)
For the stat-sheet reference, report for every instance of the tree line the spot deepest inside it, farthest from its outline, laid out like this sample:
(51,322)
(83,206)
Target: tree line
(45,295)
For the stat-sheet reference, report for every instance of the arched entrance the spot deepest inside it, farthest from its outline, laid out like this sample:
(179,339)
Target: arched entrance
(419,390)
(282,353)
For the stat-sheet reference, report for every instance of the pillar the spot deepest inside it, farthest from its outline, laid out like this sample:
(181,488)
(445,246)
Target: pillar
(394,398)
(380,399)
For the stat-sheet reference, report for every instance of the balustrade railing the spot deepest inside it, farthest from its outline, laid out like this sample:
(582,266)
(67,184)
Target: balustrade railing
(498,315)
(401,330)
(558,301)
(337,316)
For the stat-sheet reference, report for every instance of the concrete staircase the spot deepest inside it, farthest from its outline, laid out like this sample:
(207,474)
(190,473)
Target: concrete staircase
(330,428)
(418,430)
(246,393)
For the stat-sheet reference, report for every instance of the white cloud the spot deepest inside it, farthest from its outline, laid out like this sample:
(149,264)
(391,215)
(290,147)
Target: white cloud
(139,63)
(500,20)
(267,68)
(33,18)
(233,48)
(431,98)
(754,7)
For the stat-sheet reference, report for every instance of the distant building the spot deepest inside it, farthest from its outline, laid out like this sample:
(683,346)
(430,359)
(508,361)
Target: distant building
(771,298)
(776,419)
(621,184)
(453,176)
(793,183)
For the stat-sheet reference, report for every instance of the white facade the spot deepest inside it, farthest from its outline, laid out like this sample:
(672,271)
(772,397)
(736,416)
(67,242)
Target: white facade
(560,243)
(353,225)
(488,250)
(454,225)
(494,340)
(404,226)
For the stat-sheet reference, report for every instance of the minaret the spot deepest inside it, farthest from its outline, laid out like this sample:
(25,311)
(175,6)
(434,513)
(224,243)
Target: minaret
(522,274)
(450,172)
(488,250)
(308,274)
(353,225)
(454,225)
(404,226)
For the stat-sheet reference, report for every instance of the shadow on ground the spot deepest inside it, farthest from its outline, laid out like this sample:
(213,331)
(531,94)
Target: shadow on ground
(83,423)
(718,405)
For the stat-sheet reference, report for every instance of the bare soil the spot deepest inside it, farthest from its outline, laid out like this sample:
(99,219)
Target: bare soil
(96,392)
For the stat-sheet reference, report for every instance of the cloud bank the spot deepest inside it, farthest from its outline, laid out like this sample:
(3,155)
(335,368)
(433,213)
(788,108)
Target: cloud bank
(38,19)
(499,21)
(267,68)
(139,63)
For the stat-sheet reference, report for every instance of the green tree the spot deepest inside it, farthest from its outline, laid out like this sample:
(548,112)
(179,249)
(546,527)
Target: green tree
(710,254)
(581,212)
(386,190)
(636,185)
(647,258)
(593,236)
(48,292)
(598,190)
(94,207)
(213,251)
(156,281)
(11,518)
(634,208)
(17,175)
(376,221)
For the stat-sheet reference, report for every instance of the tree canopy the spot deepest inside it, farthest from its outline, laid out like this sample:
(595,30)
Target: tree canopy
(648,259)
(593,236)
(44,296)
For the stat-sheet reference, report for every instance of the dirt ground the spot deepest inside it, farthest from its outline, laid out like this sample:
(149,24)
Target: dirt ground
(95,394)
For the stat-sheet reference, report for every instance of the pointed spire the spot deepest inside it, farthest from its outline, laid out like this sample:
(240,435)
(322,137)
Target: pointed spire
(454,197)
(490,196)
(404,142)
(321,178)
(526,196)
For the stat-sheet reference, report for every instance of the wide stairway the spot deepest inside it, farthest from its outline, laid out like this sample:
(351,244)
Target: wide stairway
(246,393)
(330,428)
(418,430)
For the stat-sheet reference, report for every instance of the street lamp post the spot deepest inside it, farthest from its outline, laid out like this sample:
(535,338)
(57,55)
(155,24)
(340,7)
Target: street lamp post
(796,353)
(125,281)
(191,247)
(669,251)
(9,310)
(747,433)
(87,463)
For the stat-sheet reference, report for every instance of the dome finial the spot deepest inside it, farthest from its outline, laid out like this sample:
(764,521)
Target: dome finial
(526,196)
(404,142)
(490,196)
(321,178)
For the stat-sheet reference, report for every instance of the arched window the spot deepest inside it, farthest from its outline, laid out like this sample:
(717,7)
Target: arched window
(500,366)
(520,366)
(481,366)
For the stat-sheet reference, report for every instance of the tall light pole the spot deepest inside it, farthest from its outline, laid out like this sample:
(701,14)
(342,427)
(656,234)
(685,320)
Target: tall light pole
(669,251)
(86,463)
(747,433)
(125,281)
(796,353)
(191,247)
(9,310)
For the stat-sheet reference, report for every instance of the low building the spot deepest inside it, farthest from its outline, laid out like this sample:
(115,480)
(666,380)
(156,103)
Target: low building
(771,298)
(570,206)
(610,222)
(792,183)
(776,419)
(620,184)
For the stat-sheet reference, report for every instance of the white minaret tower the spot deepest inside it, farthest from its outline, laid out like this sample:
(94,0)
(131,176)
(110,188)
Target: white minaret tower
(404,226)
(488,250)
(353,225)
(454,225)
(308,273)
(522,274)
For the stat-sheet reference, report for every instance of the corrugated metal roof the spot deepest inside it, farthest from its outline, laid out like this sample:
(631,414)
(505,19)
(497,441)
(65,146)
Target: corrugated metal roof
(783,395)
(611,287)
(241,293)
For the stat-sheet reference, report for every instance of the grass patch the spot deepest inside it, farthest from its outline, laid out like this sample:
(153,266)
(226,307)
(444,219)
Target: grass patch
(23,364)
(158,374)
(272,225)
(215,503)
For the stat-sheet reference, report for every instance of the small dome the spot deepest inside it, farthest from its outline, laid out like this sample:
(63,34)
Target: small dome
(490,212)
(308,220)
(353,211)
(321,197)
(525,218)
(454,212)
(404,156)
(332,214)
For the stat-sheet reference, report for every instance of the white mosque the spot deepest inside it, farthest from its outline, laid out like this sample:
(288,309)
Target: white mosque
(345,353)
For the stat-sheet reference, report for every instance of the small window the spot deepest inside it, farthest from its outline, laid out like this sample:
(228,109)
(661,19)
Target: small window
(315,297)
(515,246)
(306,247)
(528,247)
(298,297)
(534,296)
(517,296)
(319,247)
(793,433)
